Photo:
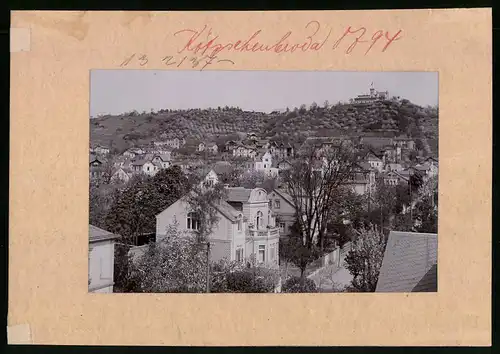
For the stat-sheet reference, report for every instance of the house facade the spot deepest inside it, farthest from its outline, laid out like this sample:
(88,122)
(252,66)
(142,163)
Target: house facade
(101,150)
(282,206)
(121,174)
(163,160)
(101,260)
(244,151)
(265,164)
(212,147)
(96,168)
(147,167)
(246,226)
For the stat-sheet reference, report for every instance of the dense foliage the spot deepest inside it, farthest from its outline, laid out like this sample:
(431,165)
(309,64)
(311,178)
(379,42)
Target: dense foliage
(134,209)
(299,285)
(365,258)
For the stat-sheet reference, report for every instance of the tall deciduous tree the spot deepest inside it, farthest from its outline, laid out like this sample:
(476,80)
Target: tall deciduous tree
(365,258)
(313,182)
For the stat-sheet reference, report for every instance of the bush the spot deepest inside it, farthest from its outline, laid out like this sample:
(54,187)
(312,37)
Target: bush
(293,285)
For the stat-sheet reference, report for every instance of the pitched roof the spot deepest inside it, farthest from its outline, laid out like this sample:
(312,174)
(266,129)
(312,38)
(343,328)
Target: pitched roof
(365,165)
(408,258)
(139,162)
(429,282)
(163,157)
(287,197)
(238,194)
(97,234)
(375,141)
(221,168)
(227,210)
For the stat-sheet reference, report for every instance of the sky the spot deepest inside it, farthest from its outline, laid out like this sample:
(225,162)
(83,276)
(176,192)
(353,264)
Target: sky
(119,91)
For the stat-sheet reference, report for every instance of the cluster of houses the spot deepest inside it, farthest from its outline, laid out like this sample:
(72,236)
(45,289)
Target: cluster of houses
(251,220)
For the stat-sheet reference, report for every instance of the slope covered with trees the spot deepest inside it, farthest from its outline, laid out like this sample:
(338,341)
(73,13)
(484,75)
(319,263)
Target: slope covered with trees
(388,118)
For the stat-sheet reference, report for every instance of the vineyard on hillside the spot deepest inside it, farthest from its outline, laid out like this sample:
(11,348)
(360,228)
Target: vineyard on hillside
(388,118)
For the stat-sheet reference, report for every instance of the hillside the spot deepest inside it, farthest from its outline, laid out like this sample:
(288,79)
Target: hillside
(387,118)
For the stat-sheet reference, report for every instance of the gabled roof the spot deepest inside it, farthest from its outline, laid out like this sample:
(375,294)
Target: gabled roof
(139,162)
(93,158)
(163,157)
(238,194)
(97,234)
(375,141)
(408,261)
(287,197)
(227,210)
(364,165)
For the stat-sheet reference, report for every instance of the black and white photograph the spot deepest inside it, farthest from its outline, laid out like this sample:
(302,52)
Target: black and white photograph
(263,181)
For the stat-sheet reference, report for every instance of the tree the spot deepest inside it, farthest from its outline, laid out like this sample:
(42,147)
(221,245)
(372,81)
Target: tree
(293,250)
(252,179)
(133,210)
(125,276)
(365,258)
(313,181)
(202,201)
(174,264)
(100,198)
(426,215)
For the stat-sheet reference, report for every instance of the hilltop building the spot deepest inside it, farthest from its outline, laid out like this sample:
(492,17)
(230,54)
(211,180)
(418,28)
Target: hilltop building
(373,96)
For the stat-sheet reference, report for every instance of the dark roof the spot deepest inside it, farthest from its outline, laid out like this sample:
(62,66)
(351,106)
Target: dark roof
(139,162)
(163,157)
(408,258)
(364,165)
(97,234)
(287,197)
(428,283)
(220,168)
(93,158)
(238,194)
(375,141)
(227,210)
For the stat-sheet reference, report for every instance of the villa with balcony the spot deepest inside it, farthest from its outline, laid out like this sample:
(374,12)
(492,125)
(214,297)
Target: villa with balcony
(246,227)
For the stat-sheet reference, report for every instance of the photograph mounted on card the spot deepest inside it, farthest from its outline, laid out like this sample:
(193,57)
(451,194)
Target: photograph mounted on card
(251,173)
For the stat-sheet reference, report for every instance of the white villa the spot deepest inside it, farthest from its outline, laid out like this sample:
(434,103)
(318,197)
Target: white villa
(265,165)
(246,226)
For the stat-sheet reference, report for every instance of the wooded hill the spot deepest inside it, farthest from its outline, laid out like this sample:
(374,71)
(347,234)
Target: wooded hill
(385,118)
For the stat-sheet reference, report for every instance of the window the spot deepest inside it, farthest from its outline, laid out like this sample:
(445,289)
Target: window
(239,255)
(282,227)
(270,204)
(262,253)
(239,225)
(272,253)
(277,204)
(193,222)
(259,219)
